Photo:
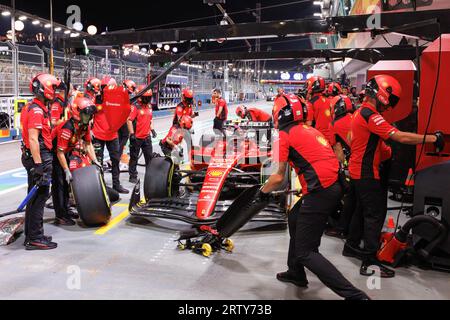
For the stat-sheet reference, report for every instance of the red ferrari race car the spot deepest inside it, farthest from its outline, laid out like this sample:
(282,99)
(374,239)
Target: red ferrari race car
(220,169)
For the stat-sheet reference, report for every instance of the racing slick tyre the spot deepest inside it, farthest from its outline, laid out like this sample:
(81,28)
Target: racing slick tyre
(158,178)
(91,197)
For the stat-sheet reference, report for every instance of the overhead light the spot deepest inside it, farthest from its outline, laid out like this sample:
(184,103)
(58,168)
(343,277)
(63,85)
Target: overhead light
(36,22)
(74,34)
(159,45)
(19,25)
(92,30)
(318,14)
(240,70)
(234,69)
(6,13)
(175,49)
(282,23)
(78,26)
(318,3)
(276,71)
(265,71)
(23,18)
(47,25)
(152,51)
(67,32)
(58,29)
(167,47)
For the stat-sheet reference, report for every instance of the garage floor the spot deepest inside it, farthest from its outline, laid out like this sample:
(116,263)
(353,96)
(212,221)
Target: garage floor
(136,259)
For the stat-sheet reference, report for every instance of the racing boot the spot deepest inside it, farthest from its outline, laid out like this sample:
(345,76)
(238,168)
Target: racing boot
(350,251)
(121,189)
(41,244)
(294,278)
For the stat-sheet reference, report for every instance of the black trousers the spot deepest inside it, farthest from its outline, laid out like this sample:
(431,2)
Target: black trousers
(348,208)
(369,216)
(123,138)
(135,147)
(34,213)
(307,222)
(218,126)
(166,150)
(60,190)
(114,154)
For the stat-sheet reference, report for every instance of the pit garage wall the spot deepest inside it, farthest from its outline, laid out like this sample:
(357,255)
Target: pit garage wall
(357,70)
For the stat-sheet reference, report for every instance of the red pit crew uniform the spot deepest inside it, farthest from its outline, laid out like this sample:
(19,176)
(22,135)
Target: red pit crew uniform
(68,138)
(322,115)
(182,109)
(312,157)
(219,121)
(142,115)
(258,115)
(104,137)
(369,129)
(37,116)
(176,135)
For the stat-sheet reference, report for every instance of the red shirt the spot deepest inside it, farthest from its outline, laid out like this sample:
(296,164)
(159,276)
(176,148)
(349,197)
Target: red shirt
(69,136)
(342,129)
(322,115)
(143,114)
(182,110)
(101,129)
(175,134)
(310,154)
(57,111)
(36,116)
(369,129)
(257,115)
(222,103)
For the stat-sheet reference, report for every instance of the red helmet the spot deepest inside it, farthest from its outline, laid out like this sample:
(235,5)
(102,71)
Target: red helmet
(108,81)
(334,89)
(93,85)
(289,108)
(315,84)
(130,85)
(82,110)
(341,106)
(186,122)
(45,86)
(385,89)
(241,111)
(188,96)
(146,98)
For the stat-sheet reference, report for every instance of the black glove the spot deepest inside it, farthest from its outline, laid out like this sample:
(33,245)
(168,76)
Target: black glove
(98,99)
(154,134)
(440,141)
(196,114)
(263,197)
(133,138)
(37,172)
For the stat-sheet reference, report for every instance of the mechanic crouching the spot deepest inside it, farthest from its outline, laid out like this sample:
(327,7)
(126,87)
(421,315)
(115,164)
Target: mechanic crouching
(369,130)
(140,126)
(311,155)
(175,136)
(72,135)
(37,158)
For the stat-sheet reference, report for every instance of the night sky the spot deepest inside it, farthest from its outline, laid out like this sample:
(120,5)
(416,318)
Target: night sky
(153,14)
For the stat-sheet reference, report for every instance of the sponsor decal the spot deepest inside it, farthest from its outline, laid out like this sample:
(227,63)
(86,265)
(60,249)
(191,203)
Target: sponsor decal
(322,141)
(216,173)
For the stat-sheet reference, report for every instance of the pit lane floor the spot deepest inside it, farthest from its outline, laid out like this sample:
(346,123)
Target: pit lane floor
(137,259)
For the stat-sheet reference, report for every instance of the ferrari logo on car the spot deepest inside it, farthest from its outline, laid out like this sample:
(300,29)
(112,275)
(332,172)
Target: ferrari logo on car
(216,174)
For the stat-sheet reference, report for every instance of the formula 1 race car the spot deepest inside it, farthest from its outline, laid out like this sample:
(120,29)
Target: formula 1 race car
(220,169)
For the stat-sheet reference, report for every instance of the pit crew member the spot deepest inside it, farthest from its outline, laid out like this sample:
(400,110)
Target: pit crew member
(175,136)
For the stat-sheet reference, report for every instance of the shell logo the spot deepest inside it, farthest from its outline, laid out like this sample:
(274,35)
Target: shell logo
(323,141)
(306,127)
(216,174)
(142,112)
(328,113)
